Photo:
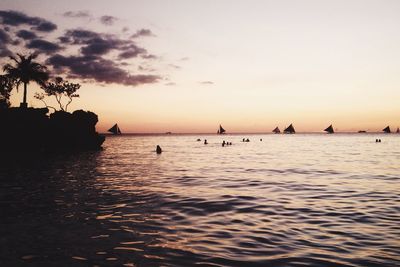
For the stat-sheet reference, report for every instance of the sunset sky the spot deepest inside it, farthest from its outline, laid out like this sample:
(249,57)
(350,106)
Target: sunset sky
(188,66)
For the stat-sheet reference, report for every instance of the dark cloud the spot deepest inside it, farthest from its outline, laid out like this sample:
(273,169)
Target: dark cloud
(77,14)
(94,43)
(15,18)
(64,40)
(45,26)
(99,46)
(207,82)
(26,35)
(5,39)
(79,36)
(4,51)
(98,69)
(108,20)
(132,52)
(16,42)
(143,33)
(98,57)
(43,46)
(146,68)
(149,56)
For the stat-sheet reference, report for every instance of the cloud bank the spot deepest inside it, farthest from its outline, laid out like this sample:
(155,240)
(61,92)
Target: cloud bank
(16,18)
(78,53)
(77,14)
(108,20)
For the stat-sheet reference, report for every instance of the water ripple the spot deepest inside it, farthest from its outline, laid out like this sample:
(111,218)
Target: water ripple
(304,200)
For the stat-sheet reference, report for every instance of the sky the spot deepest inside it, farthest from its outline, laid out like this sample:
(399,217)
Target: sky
(188,66)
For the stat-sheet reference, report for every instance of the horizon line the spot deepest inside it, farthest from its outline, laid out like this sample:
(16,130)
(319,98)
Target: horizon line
(238,133)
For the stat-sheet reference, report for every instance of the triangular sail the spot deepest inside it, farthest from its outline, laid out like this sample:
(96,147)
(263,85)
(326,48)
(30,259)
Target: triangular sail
(221,130)
(387,129)
(290,129)
(329,129)
(115,129)
(276,130)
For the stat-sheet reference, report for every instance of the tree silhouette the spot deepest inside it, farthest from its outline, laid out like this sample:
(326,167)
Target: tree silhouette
(25,70)
(58,89)
(6,85)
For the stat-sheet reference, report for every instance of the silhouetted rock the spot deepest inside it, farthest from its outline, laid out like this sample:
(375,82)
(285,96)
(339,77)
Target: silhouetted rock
(29,131)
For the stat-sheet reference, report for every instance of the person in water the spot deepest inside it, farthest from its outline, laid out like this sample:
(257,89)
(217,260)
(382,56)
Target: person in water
(223,143)
(158,150)
(205,142)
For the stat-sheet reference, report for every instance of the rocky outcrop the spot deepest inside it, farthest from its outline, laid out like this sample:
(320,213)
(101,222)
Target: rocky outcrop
(30,131)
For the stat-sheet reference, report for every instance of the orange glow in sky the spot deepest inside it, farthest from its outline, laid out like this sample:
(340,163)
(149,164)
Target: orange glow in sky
(248,65)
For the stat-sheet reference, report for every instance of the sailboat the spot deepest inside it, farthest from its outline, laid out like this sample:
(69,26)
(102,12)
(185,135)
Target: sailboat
(329,130)
(387,129)
(289,130)
(115,129)
(221,130)
(276,130)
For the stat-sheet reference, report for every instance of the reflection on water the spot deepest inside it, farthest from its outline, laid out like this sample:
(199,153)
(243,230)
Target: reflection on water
(298,200)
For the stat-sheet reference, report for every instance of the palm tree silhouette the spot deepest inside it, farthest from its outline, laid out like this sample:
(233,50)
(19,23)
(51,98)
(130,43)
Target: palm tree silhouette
(26,70)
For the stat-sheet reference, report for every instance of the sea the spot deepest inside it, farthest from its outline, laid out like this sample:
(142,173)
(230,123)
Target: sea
(277,200)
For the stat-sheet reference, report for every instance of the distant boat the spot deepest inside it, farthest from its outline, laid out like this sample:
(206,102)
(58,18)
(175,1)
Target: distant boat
(168,133)
(398,130)
(362,131)
(115,129)
(276,130)
(329,130)
(221,130)
(387,129)
(289,130)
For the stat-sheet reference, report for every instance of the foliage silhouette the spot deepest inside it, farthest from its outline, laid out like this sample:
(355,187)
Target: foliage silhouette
(28,132)
(58,89)
(6,86)
(25,70)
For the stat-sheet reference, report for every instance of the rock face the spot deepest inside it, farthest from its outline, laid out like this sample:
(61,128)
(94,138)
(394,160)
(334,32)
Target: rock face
(31,131)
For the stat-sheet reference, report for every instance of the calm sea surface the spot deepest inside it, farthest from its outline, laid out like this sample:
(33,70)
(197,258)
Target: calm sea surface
(288,200)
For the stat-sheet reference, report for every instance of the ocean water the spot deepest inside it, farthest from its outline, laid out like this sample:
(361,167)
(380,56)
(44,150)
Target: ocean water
(288,200)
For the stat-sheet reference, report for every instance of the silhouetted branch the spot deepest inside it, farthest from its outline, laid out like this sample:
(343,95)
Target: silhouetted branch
(69,102)
(41,98)
(60,88)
